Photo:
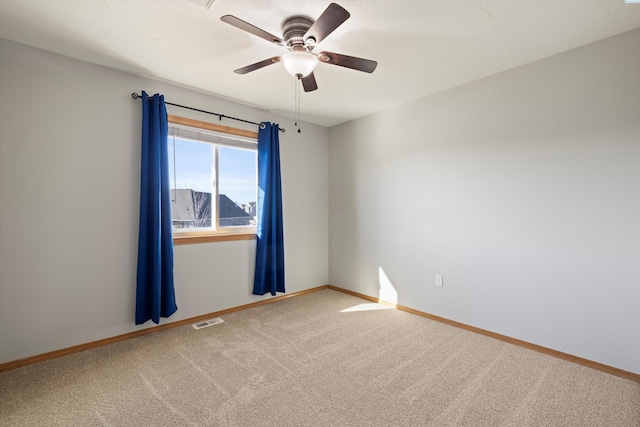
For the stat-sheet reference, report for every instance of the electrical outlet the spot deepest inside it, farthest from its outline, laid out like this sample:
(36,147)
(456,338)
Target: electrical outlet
(438,280)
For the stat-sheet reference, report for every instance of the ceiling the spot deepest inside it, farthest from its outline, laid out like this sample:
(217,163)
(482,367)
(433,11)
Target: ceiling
(422,47)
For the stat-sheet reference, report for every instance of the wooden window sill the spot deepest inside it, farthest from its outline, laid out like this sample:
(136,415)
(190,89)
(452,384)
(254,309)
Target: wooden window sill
(188,240)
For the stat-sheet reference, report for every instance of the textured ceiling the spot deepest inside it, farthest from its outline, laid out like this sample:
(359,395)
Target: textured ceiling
(422,47)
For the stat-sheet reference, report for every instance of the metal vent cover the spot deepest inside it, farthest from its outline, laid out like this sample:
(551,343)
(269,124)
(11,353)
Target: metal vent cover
(207,323)
(204,3)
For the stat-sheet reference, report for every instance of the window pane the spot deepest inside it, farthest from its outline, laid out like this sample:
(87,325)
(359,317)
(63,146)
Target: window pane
(191,179)
(237,181)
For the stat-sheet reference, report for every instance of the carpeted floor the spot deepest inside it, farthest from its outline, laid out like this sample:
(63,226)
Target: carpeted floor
(320,359)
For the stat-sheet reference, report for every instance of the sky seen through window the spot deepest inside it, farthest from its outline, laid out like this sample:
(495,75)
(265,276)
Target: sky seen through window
(193,169)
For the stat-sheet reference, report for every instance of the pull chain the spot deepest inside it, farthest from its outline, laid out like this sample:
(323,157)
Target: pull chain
(298,82)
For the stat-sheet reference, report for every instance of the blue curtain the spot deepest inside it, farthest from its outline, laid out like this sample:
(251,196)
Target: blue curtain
(155,295)
(269,276)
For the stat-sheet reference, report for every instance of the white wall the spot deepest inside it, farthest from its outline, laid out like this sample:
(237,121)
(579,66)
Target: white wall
(69,189)
(521,189)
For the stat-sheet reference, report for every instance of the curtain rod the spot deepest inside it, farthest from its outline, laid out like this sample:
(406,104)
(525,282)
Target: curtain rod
(220,116)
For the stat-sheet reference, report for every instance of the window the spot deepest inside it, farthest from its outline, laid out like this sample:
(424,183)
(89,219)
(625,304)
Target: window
(213,181)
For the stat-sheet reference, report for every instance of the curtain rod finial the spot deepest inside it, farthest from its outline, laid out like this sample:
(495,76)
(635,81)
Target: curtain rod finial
(135,95)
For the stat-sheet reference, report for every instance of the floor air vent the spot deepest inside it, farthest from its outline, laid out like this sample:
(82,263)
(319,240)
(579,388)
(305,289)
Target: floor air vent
(206,323)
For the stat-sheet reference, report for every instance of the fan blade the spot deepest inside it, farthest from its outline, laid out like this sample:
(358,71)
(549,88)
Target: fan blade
(243,25)
(257,65)
(309,83)
(331,18)
(360,64)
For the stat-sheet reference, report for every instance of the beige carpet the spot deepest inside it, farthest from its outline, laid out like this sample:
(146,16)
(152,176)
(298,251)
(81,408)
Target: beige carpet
(313,360)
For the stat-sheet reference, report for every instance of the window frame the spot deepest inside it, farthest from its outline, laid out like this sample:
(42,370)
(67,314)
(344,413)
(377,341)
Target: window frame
(220,234)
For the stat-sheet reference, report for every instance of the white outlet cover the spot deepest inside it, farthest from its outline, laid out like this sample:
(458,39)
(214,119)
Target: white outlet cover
(438,280)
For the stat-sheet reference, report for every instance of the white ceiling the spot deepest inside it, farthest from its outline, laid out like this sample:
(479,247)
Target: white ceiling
(422,47)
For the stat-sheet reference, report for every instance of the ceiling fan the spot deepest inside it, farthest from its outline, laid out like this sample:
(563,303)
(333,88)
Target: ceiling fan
(300,36)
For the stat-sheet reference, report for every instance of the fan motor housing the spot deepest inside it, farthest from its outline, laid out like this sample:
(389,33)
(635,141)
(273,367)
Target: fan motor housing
(294,29)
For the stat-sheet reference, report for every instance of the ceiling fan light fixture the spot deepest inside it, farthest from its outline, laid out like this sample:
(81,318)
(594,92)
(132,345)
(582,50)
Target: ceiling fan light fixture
(299,63)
